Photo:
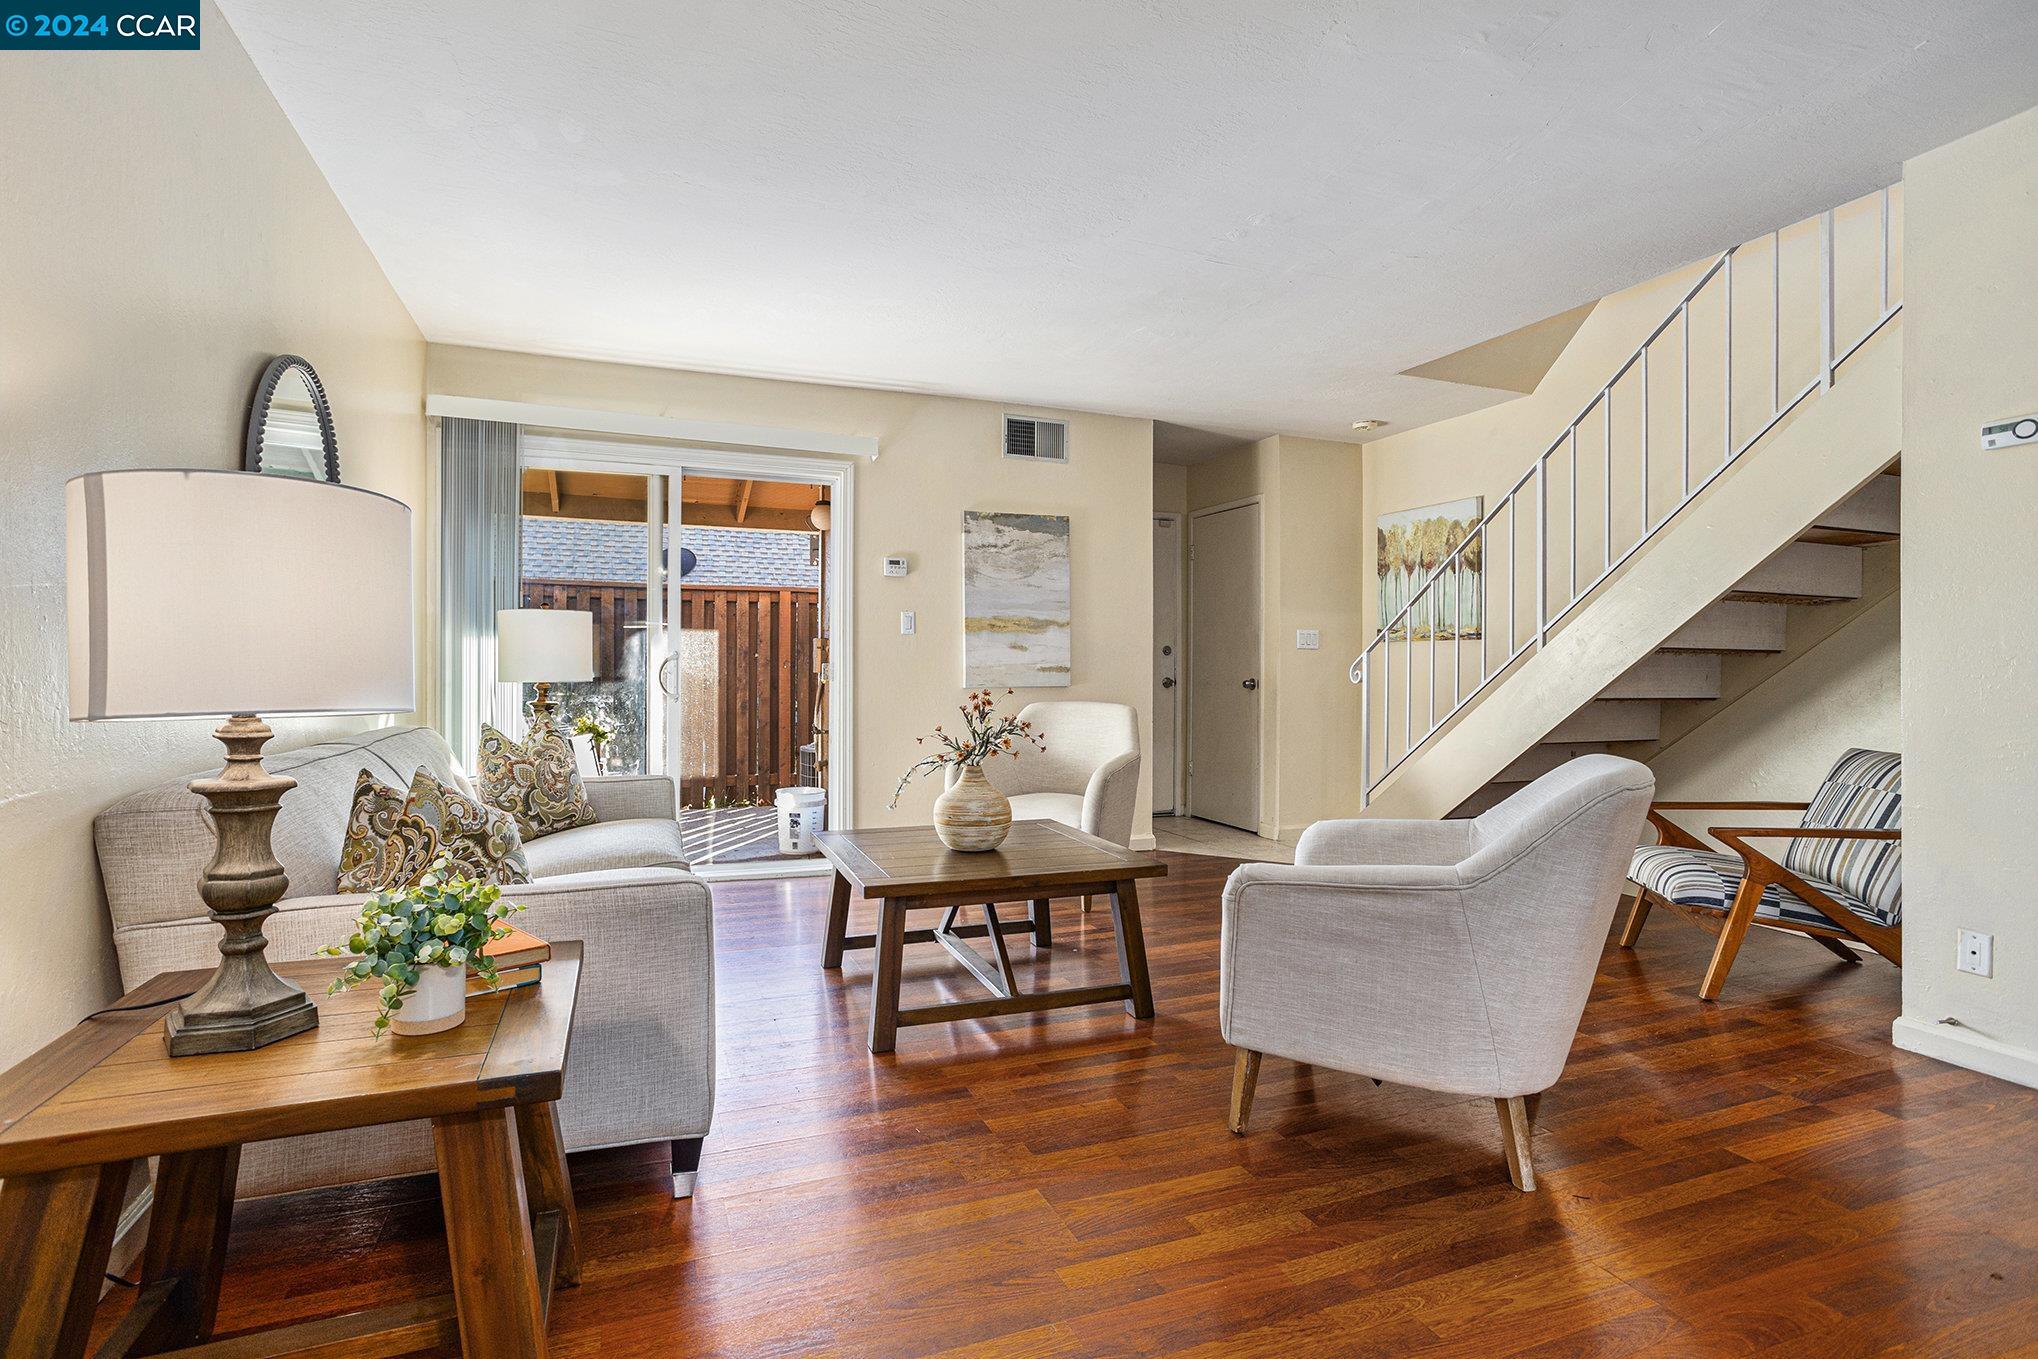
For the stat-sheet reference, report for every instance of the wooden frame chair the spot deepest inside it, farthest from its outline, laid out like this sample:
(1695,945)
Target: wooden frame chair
(1765,879)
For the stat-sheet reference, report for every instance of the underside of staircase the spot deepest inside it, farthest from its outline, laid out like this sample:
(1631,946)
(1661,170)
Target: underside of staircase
(1822,567)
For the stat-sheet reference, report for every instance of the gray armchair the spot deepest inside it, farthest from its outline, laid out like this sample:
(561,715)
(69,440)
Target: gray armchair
(1450,955)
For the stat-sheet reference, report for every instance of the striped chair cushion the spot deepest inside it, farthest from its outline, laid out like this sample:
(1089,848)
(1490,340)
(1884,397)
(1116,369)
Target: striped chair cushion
(1864,791)
(1878,769)
(1697,877)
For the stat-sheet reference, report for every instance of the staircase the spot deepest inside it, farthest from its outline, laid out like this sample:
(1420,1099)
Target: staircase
(1738,463)
(1822,567)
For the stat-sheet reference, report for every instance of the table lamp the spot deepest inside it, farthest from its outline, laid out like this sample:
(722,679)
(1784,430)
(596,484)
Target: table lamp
(544,647)
(227,594)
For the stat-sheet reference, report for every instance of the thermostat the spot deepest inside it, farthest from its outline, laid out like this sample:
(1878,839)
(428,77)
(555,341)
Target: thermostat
(2009,433)
(895,566)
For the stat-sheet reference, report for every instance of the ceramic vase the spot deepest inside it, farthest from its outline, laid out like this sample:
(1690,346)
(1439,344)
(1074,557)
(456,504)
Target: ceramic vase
(437,1003)
(972,816)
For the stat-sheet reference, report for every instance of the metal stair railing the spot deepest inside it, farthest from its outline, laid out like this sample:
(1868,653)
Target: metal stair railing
(1444,577)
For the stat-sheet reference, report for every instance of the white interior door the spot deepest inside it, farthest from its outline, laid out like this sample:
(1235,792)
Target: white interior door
(1167,646)
(1224,661)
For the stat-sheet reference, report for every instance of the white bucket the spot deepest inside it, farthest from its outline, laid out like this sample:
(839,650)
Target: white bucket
(801,812)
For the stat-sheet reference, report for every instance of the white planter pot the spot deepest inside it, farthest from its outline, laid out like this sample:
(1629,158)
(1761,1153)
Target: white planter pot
(436,1004)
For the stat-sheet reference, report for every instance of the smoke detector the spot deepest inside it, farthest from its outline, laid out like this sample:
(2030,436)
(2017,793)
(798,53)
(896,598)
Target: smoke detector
(1362,426)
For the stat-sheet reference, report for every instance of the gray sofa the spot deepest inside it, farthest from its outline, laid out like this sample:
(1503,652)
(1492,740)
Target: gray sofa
(643,1058)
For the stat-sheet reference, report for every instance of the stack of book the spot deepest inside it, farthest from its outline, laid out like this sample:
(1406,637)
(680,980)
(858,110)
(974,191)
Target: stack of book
(519,959)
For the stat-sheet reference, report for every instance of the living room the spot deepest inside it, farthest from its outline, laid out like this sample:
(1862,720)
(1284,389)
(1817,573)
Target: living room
(586,461)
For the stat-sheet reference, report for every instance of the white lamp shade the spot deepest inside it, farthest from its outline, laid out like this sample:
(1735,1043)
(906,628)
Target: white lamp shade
(204,593)
(552,645)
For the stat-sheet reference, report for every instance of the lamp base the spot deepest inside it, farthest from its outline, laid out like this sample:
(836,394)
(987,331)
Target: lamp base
(541,705)
(244,1004)
(189,1033)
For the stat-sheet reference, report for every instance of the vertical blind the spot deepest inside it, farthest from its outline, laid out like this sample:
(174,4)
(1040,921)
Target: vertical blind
(479,516)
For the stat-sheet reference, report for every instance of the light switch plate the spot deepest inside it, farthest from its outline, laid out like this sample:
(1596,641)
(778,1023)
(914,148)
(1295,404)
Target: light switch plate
(906,623)
(1307,639)
(1977,953)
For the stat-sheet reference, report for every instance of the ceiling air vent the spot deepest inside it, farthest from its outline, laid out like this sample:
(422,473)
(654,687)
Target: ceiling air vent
(1040,440)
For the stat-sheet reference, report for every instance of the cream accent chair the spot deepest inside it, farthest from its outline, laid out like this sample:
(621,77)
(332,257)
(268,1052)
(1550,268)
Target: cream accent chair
(1449,955)
(1088,777)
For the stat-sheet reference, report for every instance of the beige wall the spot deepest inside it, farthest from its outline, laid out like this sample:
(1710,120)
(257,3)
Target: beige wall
(938,457)
(1309,492)
(1970,613)
(1319,539)
(168,235)
(1170,488)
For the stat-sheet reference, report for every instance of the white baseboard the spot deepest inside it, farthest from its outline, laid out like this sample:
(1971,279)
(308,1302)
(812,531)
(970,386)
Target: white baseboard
(1964,1047)
(747,870)
(1144,842)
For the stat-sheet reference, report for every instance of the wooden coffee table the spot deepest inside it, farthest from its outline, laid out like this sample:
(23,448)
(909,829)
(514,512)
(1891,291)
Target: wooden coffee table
(907,868)
(76,1115)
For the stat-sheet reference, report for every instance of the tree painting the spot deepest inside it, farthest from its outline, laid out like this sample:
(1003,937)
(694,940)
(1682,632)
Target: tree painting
(1409,548)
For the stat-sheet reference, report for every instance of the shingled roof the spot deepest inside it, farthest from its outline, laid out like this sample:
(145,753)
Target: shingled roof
(592,549)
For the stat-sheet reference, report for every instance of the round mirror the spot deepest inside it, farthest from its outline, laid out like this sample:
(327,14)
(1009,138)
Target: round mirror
(290,427)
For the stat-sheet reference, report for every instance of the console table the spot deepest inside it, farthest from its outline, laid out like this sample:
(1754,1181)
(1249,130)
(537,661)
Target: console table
(907,868)
(76,1116)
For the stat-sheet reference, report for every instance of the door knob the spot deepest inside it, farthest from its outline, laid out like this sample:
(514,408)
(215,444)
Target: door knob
(1168,683)
(1252,684)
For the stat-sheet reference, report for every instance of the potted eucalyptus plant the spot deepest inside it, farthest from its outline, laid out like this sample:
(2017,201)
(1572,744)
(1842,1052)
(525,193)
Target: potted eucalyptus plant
(418,943)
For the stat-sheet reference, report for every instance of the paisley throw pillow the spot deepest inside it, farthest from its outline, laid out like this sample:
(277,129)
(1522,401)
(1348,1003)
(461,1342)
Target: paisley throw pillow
(393,837)
(535,780)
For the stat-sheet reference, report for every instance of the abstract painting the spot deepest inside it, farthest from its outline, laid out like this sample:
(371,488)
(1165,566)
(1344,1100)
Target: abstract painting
(1015,600)
(1410,545)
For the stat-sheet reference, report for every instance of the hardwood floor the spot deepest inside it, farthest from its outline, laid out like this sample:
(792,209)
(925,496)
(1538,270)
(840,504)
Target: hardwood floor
(1762,1176)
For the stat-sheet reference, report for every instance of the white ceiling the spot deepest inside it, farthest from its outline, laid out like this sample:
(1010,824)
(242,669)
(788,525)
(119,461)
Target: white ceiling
(1240,216)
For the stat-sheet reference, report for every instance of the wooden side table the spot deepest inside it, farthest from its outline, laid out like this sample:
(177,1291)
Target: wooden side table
(907,868)
(76,1115)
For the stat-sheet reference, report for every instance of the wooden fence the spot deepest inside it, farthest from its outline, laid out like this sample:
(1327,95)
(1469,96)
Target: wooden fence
(762,706)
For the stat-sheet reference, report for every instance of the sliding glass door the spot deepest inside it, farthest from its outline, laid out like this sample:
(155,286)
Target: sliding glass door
(750,631)
(710,577)
(591,541)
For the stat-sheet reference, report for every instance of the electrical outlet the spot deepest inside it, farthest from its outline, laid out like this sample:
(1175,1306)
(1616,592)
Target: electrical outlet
(1977,953)
(1307,639)
(906,623)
